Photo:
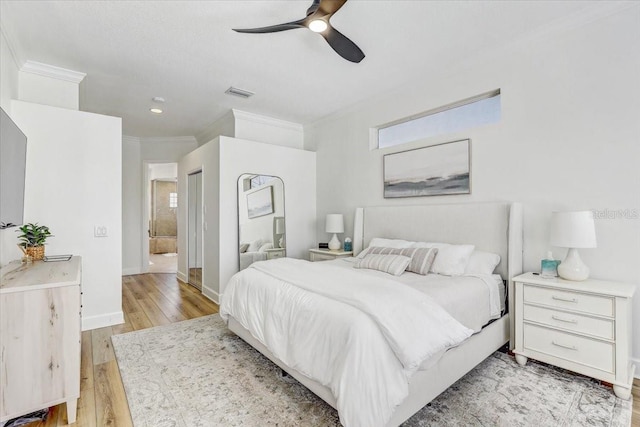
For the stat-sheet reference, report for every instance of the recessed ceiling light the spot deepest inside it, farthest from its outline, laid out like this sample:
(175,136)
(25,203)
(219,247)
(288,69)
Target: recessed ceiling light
(317,25)
(155,110)
(158,99)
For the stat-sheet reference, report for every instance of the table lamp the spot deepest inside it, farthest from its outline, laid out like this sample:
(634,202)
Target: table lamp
(334,224)
(573,230)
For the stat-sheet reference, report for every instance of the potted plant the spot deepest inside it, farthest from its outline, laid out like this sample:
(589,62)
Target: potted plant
(32,240)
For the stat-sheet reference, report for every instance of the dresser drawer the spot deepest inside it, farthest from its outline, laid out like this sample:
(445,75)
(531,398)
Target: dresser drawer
(603,328)
(582,350)
(576,301)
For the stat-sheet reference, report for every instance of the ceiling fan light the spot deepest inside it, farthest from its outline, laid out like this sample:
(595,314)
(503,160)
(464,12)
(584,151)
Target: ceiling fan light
(317,25)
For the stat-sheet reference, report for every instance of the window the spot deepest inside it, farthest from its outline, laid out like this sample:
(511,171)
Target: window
(462,115)
(173,200)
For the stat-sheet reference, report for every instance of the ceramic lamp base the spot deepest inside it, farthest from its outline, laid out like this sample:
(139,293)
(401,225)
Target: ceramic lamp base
(572,268)
(334,243)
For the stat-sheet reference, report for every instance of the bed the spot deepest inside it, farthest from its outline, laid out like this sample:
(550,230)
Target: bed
(415,381)
(253,252)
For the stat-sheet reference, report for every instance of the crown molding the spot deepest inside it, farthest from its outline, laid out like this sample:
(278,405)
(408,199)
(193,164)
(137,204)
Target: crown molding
(205,134)
(165,139)
(256,118)
(52,71)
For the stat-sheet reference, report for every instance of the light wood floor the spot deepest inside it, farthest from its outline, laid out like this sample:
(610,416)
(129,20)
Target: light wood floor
(148,300)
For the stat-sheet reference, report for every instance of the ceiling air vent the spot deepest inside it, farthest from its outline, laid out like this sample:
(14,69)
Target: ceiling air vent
(239,92)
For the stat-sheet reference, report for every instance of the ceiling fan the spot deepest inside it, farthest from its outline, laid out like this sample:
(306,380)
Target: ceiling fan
(317,20)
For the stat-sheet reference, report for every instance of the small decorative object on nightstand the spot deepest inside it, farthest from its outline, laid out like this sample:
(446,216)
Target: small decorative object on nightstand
(334,224)
(584,327)
(325,255)
(573,230)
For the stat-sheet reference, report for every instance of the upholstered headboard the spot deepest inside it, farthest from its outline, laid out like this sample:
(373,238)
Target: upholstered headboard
(492,226)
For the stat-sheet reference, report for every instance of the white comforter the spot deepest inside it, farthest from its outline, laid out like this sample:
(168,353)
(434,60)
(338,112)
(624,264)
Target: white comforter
(360,336)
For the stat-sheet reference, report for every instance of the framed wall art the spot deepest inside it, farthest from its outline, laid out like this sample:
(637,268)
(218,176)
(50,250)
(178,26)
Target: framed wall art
(260,202)
(436,170)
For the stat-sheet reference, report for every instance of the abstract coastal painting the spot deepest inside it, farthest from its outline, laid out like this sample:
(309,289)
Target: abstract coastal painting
(260,202)
(436,170)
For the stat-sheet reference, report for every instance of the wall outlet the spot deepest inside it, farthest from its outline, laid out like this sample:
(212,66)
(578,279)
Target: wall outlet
(100,231)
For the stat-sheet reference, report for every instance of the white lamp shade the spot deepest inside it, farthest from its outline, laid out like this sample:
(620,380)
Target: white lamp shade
(573,229)
(334,223)
(279,225)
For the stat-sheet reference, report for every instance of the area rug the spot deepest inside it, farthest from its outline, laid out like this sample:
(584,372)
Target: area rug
(198,373)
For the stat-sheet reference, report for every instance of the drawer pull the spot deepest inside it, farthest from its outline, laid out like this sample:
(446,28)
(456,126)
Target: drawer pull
(564,299)
(554,317)
(569,347)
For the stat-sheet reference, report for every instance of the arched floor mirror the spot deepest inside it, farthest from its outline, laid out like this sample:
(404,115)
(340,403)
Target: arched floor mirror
(261,219)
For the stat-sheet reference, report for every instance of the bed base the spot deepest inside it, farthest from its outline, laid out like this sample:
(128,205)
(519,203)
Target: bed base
(424,386)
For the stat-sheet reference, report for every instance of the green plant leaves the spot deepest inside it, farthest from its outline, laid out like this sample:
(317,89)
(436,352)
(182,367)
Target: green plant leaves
(33,235)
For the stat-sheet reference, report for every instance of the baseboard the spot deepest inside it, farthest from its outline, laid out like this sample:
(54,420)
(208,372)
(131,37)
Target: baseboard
(637,363)
(102,320)
(211,294)
(182,277)
(131,271)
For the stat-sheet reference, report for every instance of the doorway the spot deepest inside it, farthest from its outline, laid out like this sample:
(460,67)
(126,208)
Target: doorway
(162,218)
(194,255)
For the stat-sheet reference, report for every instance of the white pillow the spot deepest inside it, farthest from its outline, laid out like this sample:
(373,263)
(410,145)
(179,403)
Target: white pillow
(254,246)
(392,264)
(451,259)
(265,247)
(482,262)
(243,247)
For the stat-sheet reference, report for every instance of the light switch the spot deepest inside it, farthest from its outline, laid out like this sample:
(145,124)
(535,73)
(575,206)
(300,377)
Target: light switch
(100,231)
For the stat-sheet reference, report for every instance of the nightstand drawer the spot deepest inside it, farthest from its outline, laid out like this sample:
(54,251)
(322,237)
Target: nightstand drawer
(575,301)
(585,351)
(602,328)
(323,257)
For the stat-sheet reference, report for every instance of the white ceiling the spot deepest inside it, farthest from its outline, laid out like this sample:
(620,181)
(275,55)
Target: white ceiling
(186,52)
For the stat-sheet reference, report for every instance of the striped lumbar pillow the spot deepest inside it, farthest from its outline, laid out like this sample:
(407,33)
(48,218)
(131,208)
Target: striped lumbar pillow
(392,264)
(421,258)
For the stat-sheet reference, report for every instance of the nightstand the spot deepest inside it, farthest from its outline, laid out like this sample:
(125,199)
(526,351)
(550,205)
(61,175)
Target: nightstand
(584,327)
(275,253)
(327,255)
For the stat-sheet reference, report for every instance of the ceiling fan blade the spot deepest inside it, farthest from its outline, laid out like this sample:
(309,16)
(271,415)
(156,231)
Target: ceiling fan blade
(273,28)
(329,7)
(342,45)
(314,6)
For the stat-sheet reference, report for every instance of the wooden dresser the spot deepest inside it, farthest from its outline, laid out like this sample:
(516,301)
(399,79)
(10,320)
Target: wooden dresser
(40,307)
(584,327)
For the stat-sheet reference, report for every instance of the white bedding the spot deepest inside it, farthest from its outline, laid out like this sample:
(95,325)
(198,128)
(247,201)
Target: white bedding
(360,335)
(472,299)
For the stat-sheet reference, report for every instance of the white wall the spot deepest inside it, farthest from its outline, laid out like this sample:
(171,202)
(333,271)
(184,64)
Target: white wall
(73,183)
(9,80)
(50,91)
(163,171)
(138,153)
(222,161)
(206,159)
(8,90)
(254,127)
(296,168)
(225,126)
(568,139)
